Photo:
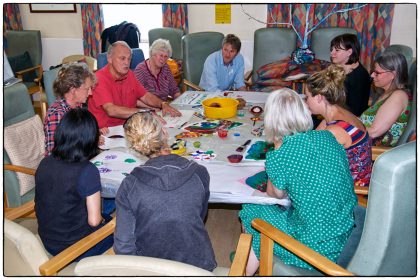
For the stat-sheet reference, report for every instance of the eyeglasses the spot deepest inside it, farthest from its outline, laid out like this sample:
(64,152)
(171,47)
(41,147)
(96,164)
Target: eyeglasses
(377,73)
(140,111)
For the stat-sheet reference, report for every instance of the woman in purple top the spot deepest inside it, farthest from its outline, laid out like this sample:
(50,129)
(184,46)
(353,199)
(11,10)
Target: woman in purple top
(154,73)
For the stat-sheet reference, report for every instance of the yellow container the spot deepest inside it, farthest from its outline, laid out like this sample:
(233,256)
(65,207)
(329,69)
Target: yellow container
(227,109)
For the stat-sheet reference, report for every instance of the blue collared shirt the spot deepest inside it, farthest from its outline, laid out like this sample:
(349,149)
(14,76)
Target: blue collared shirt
(217,76)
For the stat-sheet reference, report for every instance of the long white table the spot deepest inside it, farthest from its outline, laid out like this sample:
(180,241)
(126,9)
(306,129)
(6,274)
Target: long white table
(227,180)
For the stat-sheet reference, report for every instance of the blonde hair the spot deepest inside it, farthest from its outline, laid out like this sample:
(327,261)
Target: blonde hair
(329,83)
(145,134)
(285,114)
(160,45)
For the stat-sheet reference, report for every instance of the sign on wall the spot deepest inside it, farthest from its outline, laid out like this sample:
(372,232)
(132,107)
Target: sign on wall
(223,13)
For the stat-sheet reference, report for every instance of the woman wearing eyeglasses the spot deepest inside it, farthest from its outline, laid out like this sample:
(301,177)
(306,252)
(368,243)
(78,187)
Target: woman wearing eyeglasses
(387,118)
(345,51)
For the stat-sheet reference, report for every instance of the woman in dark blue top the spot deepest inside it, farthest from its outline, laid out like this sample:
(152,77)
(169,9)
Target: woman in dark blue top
(67,186)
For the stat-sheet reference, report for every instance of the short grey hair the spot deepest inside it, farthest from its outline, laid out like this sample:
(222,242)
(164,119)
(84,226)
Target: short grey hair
(118,43)
(285,114)
(160,45)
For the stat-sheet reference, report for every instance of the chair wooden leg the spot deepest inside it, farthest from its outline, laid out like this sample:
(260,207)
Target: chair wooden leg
(266,256)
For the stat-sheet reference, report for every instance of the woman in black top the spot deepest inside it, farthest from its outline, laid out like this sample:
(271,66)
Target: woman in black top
(345,51)
(67,186)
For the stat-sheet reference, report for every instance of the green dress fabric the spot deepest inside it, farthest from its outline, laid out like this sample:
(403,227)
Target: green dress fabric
(389,138)
(312,168)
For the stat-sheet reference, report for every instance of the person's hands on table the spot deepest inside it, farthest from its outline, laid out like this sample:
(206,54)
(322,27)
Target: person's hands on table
(168,109)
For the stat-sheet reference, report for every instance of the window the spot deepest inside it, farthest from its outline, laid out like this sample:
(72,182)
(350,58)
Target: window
(145,16)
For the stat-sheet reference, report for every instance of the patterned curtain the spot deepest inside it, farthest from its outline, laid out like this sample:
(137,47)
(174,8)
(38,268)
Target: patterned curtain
(93,25)
(175,15)
(373,23)
(11,20)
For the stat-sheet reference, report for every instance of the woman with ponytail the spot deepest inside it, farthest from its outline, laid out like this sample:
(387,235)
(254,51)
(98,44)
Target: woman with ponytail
(326,96)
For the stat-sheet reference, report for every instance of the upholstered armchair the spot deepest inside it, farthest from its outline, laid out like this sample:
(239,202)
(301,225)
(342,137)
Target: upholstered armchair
(173,35)
(90,61)
(24,52)
(383,242)
(270,44)
(23,145)
(26,255)
(137,56)
(322,37)
(196,47)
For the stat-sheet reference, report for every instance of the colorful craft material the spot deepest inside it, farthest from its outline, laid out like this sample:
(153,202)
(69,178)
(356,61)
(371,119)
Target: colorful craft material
(258,150)
(188,134)
(197,144)
(256,110)
(202,155)
(178,148)
(258,131)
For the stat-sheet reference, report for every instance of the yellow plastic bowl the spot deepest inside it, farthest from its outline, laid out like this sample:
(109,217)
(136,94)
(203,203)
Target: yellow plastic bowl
(227,109)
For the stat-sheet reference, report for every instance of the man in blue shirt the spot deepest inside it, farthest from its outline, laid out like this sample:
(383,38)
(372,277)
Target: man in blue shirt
(224,69)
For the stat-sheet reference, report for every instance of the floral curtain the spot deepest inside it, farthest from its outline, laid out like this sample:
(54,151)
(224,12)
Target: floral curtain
(11,20)
(93,25)
(372,22)
(175,15)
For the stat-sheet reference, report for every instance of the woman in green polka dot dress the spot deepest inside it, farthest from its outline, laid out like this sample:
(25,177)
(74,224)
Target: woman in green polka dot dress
(310,167)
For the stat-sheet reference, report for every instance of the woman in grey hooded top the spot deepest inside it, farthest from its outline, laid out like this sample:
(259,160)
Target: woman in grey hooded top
(162,204)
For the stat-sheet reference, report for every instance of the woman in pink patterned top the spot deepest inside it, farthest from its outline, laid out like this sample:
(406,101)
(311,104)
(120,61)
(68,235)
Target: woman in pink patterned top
(154,73)
(325,96)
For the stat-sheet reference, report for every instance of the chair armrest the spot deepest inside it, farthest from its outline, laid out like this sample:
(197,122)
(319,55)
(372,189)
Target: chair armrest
(192,85)
(378,150)
(35,68)
(248,79)
(21,211)
(59,261)
(270,234)
(18,168)
(241,256)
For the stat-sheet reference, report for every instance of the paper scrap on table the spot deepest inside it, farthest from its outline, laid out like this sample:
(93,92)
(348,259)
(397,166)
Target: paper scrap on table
(113,143)
(115,130)
(176,122)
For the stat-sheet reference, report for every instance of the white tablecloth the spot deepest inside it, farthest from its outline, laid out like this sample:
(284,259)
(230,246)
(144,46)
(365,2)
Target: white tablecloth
(227,180)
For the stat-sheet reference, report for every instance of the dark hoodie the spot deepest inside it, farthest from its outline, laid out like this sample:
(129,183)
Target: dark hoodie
(161,208)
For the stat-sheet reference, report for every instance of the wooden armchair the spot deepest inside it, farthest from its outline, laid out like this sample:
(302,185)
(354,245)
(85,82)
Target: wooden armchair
(387,244)
(24,248)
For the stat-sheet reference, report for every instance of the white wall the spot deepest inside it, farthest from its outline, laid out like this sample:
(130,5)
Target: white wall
(404,26)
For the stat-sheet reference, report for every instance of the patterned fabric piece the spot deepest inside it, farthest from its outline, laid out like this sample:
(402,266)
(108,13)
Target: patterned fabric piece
(93,25)
(359,153)
(175,15)
(389,138)
(273,74)
(313,169)
(258,181)
(20,138)
(373,23)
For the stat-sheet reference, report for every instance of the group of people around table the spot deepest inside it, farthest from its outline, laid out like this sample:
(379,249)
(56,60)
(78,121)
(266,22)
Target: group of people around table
(161,205)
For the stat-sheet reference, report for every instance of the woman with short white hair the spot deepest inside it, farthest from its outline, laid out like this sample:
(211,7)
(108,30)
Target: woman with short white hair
(154,73)
(311,168)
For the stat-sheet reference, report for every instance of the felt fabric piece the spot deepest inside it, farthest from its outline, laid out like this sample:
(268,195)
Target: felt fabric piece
(22,62)
(19,138)
(258,181)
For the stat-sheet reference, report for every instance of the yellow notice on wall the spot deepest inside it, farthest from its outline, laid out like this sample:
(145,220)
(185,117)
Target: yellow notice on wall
(223,13)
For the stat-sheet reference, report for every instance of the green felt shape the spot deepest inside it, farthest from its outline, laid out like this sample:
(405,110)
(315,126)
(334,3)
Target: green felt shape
(258,181)
(130,160)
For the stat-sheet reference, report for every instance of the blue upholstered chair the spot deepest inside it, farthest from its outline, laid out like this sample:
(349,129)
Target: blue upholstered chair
(173,35)
(49,78)
(322,37)
(271,44)
(196,47)
(384,240)
(137,56)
